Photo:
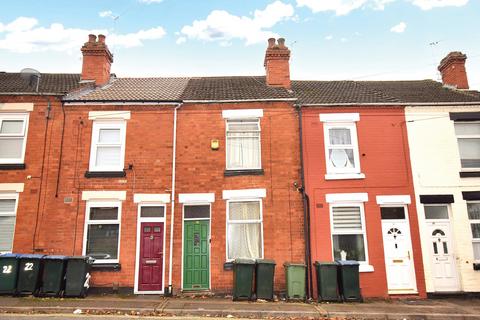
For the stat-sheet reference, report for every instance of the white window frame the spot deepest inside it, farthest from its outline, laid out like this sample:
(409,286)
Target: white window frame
(473,221)
(350,124)
(103,204)
(15,116)
(251,221)
(364,265)
(107,124)
(141,219)
(470,136)
(227,120)
(10,196)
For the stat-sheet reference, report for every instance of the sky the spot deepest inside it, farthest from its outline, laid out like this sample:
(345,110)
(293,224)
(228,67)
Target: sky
(329,39)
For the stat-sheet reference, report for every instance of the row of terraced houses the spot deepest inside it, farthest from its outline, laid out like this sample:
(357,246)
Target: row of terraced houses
(165,181)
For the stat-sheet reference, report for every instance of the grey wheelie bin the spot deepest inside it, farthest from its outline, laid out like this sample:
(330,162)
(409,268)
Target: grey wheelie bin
(349,280)
(264,274)
(243,270)
(29,273)
(327,287)
(8,273)
(77,276)
(53,277)
(295,274)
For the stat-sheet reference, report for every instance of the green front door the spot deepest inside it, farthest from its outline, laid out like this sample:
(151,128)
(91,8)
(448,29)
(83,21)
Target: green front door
(196,255)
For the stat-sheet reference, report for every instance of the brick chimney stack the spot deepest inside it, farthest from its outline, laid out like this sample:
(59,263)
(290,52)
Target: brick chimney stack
(97,60)
(452,68)
(277,63)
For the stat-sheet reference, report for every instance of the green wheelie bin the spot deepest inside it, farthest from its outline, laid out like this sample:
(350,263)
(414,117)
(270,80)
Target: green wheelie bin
(327,287)
(77,276)
(295,274)
(8,273)
(349,280)
(243,270)
(264,275)
(53,277)
(29,273)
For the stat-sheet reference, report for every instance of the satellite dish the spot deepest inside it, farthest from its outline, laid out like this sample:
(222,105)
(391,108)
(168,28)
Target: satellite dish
(31,76)
(339,158)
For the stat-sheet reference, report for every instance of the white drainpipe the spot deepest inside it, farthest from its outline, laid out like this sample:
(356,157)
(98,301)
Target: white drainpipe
(172,216)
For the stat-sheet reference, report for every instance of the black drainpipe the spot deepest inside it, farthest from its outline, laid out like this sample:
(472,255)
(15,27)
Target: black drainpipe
(306,210)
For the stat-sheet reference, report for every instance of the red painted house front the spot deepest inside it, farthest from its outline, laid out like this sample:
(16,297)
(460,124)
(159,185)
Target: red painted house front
(359,184)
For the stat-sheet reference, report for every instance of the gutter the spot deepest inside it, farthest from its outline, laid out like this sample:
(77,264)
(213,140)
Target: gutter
(240,100)
(172,203)
(396,104)
(123,102)
(306,209)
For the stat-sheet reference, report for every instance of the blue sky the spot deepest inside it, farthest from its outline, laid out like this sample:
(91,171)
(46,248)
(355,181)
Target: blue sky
(329,39)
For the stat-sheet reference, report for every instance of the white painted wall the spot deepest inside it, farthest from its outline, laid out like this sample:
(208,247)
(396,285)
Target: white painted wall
(435,167)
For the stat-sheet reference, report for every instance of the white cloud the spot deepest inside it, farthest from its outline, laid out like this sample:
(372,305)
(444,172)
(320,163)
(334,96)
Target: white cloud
(329,37)
(150,1)
(181,40)
(430,4)
(343,40)
(106,14)
(23,36)
(399,28)
(344,7)
(222,26)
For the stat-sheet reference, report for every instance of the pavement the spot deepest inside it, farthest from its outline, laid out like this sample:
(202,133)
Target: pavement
(189,307)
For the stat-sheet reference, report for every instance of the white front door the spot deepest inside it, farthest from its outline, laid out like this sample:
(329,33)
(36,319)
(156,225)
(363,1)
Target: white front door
(398,251)
(444,270)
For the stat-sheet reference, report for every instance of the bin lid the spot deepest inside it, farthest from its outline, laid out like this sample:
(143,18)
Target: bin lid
(9,255)
(325,263)
(84,258)
(55,258)
(347,262)
(265,261)
(244,261)
(294,264)
(31,256)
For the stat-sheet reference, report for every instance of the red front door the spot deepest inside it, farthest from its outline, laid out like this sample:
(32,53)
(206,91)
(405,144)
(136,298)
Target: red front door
(151,257)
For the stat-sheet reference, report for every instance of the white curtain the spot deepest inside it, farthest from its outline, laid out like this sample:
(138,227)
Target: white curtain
(243,150)
(108,156)
(340,136)
(11,147)
(244,239)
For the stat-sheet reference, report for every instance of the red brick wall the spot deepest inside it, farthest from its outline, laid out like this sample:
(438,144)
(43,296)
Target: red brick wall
(199,169)
(384,159)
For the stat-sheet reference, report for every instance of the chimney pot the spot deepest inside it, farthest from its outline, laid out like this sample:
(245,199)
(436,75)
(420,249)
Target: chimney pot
(92,38)
(452,68)
(271,42)
(101,38)
(281,42)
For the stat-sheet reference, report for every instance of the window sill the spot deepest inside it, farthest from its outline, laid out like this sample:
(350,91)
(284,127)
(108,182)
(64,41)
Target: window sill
(469,174)
(106,266)
(344,176)
(105,174)
(365,268)
(243,172)
(12,166)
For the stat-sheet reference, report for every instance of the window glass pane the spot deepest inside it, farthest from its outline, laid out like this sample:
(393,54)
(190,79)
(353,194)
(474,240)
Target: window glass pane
(196,212)
(240,125)
(12,127)
(469,152)
(109,136)
(341,158)
(244,210)
(340,136)
(473,211)
(244,240)
(7,205)
(349,247)
(462,128)
(108,156)
(476,250)
(102,241)
(392,213)
(476,230)
(347,218)
(436,212)
(104,213)
(7,226)
(152,212)
(243,151)
(11,148)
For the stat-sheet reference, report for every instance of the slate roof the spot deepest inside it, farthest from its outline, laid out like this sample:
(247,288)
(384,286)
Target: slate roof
(55,83)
